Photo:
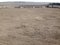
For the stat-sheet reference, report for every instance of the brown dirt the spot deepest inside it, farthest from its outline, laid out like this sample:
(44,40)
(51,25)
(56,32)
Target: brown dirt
(40,26)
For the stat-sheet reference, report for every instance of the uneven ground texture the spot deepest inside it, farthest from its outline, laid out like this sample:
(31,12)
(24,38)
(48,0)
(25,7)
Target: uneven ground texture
(40,26)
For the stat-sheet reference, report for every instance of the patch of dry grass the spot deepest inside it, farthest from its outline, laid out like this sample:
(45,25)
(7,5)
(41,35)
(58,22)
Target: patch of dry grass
(28,26)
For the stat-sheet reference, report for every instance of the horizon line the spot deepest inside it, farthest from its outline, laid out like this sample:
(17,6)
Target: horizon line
(30,1)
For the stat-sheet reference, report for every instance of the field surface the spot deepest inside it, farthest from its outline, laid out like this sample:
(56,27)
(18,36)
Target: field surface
(28,26)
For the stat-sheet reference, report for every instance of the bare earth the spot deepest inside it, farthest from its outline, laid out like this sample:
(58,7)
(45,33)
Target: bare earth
(40,26)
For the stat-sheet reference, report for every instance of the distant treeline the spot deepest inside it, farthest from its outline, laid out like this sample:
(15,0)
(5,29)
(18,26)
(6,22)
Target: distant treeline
(54,3)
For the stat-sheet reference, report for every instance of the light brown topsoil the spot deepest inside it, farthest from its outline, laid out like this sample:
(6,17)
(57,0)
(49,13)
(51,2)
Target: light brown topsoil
(28,26)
